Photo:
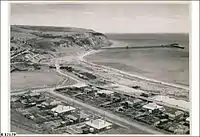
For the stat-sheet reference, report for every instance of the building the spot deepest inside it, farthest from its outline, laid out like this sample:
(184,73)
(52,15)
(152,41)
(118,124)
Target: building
(55,103)
(88,90)
(179,114)
(60,109)
(43,105)
(187,122)
(136,101)
(188,119)
(80,86)
(127,103)
(34,94)
(105,92)
(98,124)
(71,117)
(152,106)
(171,116)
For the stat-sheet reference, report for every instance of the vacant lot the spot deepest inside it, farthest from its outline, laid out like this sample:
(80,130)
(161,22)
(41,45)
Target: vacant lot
(170,65)
(19,130)
(21,125)
(35,79)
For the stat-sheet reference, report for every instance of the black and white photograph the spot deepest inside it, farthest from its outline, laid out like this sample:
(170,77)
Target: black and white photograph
(106,68)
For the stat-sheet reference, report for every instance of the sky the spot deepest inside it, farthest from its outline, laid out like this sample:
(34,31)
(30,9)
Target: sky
(106,17)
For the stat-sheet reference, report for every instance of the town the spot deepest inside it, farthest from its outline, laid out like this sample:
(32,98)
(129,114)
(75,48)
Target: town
(51,114)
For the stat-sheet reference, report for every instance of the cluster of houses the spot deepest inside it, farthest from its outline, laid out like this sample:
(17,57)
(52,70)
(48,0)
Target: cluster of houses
(54,115)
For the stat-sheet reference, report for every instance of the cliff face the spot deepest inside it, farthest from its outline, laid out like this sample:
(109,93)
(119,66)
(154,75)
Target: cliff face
(53,37)
(31,44)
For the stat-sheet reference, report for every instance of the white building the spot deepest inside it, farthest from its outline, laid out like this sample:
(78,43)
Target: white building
(80,85)
(153,106)
(107,92)
(98,124)
(34,94)
(188,119)
(62,109)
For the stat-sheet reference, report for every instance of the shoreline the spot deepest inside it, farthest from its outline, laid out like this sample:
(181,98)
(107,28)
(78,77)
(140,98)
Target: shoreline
(83,58)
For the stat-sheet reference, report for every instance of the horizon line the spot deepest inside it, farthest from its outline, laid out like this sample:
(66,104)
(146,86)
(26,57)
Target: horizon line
(101,31)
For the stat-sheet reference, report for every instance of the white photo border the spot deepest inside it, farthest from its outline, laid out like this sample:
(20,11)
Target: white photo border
(5,69)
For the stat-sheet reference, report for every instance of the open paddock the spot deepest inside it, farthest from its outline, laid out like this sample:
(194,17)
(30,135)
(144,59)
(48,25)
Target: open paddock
(37,79)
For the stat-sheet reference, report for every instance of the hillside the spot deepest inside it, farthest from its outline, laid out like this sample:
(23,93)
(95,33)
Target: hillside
(31,44)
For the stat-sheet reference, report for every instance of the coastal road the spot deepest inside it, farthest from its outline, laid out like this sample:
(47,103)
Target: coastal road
(107,114)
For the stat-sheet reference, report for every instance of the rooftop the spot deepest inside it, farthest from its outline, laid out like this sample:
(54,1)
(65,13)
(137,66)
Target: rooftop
(108,92)
(72,117)
(188,119)
(62,109)
(55,102)
(34,94)
(80,85)
(98,123)
(152,106)
(126,89)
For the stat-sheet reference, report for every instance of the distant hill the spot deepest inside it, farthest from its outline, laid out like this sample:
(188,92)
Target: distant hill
(49,28)
(48,38)
(28,42)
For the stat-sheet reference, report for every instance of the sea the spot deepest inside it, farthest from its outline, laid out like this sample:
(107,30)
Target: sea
(165,64)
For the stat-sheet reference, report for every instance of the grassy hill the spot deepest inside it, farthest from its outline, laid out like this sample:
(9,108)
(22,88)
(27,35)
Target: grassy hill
(45,41)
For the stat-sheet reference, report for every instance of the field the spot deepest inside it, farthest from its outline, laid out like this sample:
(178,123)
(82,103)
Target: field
(35,79)
(22,125)
(169,65)
(15,128)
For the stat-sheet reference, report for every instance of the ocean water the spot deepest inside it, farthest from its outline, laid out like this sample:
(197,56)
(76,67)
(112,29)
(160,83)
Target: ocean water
(165,64)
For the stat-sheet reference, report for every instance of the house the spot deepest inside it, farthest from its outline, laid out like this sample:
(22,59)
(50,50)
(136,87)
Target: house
(71,117)
(179,114)
(136,101)
(44,105)
(55,103)
(83,116)
(88,90)
(127,103)
(60,109)
(188,119)
(80,85)
(34,94)
(105,92)
(98,124)
(152,106)
(187,122)
(171,116)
